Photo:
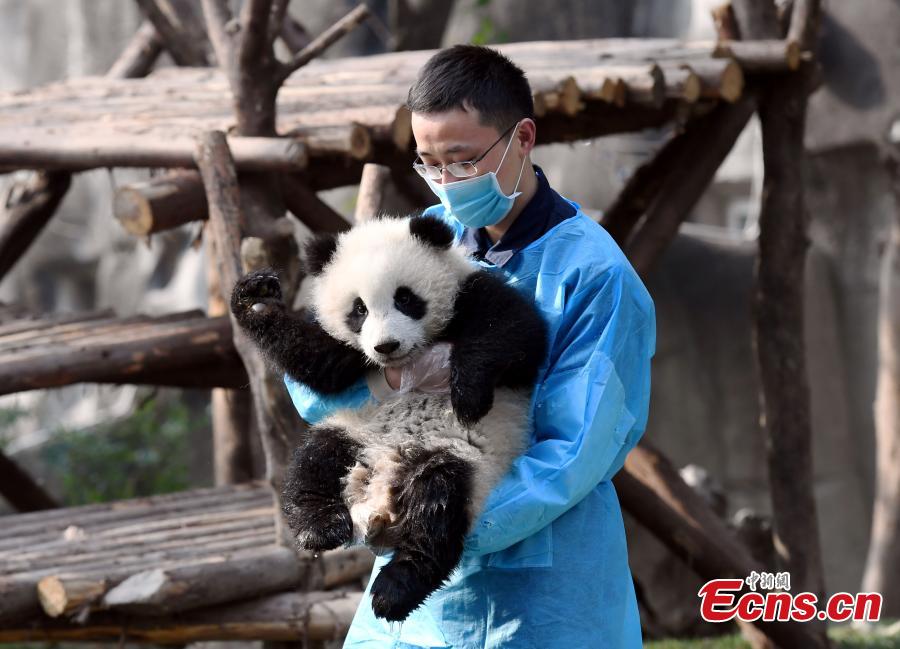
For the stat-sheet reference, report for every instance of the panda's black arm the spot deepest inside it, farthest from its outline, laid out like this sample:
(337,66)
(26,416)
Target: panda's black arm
(499,339)
(297,345)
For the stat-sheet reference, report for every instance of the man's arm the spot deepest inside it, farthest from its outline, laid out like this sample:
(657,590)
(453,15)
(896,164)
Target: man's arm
(589,410)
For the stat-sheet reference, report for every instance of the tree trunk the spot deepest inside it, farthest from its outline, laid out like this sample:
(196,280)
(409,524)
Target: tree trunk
(883,561)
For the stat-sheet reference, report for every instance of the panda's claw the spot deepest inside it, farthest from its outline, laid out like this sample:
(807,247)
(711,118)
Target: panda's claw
(398,590)
(256,294)
(328,529)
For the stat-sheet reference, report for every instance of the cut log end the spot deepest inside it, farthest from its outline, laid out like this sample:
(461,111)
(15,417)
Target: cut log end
(731,84)
(60,597)
(133,211)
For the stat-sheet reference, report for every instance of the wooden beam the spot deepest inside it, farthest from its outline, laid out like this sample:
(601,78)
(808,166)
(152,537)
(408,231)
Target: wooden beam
(180,30)
(273,411)
(21,490)
(163,592)
(778,316)
(661,193)
(372,188)
(883,560)
(179,350)
(285,617)
(309,208)
(161,203)
(29,205)
(78,154)
(652,491)
(140,55)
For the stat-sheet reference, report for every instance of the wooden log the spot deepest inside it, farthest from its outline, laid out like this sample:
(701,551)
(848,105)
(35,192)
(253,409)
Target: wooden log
(161,203)
(294,35)
(719,79)
(28,323)
(645,86)
(125,543)
(707,141)
(140,55)
(682,83)
(344,566)
(325,40)
(151,557)
(91,516)
(28,207)
(725,22)
(652,491)
(883,559)
(309,208)
(67,598)
(372,188)
(163,592)
(285,617)
(20,489)
(762,55)
(180,29)
(275,418)
(126,357)
(18,600)
(79,154)
(351,140)
(564,90)
(778,319)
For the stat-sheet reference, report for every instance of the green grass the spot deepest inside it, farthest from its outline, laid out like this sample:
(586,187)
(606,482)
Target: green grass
(842,637)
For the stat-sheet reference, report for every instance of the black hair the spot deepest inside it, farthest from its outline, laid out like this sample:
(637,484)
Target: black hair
(472,76)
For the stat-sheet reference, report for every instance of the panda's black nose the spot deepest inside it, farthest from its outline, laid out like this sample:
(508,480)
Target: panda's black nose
(387,347)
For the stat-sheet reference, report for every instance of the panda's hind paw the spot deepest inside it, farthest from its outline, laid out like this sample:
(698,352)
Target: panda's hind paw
(398,590)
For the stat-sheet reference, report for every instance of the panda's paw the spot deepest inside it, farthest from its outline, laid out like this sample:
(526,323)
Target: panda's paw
(256,294)
(470,401)
(398,590)
(326,530)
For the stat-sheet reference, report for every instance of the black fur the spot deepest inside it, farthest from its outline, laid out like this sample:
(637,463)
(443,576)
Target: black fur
(296,345)
(357,316)
(499,339)
(431,490)
(410,304)
(432,230)
(313,503)
(317,252)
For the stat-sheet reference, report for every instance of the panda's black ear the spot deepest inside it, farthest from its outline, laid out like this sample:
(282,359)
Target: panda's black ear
(432,231)
(318,251)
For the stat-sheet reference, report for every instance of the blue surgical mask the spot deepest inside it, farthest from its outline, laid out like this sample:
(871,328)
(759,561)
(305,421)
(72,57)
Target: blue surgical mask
(479,201)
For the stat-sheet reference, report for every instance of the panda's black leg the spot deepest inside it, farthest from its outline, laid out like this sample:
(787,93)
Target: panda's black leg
(432,491)
(313,502)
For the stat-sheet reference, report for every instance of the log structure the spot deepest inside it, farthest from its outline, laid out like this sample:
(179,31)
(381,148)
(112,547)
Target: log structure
(157,556)
(209,564)
(341,109)
(185,350)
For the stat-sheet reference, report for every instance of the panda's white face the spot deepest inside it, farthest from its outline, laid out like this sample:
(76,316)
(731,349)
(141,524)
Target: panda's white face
(386,292)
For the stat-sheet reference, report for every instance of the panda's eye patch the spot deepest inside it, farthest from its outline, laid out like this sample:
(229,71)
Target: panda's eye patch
(357,315)
(409,304)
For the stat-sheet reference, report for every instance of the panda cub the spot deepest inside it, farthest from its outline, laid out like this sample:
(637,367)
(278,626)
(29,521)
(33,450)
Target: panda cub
(411,473)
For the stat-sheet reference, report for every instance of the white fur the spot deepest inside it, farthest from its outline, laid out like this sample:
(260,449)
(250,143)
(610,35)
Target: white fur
(427,421)
(371,261)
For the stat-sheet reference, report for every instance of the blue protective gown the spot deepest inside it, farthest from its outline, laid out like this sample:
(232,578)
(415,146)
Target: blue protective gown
(546,564)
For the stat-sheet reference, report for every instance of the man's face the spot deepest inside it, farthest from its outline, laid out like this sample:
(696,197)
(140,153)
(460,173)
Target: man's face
(457,136)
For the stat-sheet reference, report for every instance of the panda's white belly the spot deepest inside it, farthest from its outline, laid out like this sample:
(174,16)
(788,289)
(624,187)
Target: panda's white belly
(426,421)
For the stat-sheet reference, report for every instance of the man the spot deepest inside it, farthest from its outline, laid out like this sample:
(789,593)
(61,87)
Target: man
(546,564)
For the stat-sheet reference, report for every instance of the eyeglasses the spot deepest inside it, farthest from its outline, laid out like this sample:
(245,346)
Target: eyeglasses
(457,169)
